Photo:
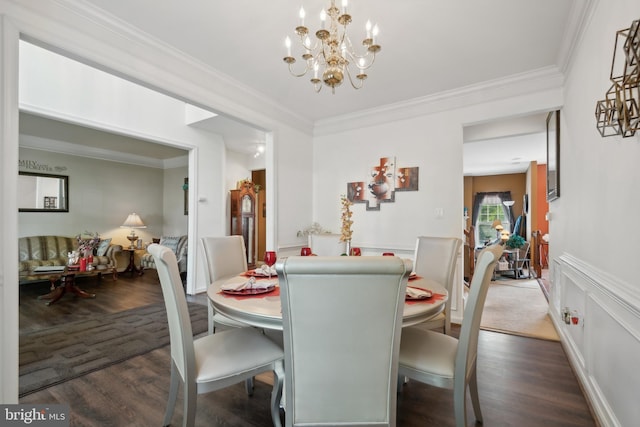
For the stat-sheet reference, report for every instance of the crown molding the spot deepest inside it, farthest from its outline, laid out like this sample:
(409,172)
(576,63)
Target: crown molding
(67,148)
(581,13)
(494,90)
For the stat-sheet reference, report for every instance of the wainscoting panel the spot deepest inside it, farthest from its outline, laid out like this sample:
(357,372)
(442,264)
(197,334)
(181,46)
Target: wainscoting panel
(604,347)
(614,345)
(576,294)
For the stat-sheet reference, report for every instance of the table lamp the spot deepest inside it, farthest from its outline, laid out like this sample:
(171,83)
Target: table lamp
(133,221)
(497,225)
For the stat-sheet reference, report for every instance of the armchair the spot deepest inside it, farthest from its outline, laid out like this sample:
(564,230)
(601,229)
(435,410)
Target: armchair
(177,244)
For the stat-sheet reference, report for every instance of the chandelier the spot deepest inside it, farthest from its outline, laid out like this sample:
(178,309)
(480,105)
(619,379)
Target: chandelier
(332,56)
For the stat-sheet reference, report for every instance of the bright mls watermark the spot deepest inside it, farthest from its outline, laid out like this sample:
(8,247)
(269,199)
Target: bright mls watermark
(34,415)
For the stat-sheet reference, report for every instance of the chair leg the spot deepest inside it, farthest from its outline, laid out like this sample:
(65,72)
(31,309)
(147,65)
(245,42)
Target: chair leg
(190,401)
(475,398)
(173,395)
(447,324)
(248,386)
(460,403)
(276,393)
(211,329)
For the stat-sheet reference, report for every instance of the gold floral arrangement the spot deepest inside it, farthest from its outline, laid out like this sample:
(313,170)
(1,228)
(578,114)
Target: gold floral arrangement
(347,222)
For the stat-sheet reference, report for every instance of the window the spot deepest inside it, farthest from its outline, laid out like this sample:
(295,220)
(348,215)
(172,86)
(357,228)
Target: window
(489,209)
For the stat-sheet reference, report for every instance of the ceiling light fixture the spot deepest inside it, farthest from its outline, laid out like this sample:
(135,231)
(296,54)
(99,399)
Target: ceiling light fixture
(332,54)
(259,151)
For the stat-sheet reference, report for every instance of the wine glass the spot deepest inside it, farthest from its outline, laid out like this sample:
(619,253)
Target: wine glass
(306,251)
(269,260)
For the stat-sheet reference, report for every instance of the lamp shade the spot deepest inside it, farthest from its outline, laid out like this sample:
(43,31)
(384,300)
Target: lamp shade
(133,221)
(497,224)
(509,203)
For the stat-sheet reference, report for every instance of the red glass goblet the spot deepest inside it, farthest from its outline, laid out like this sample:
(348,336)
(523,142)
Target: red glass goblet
(306,251)
(270,259)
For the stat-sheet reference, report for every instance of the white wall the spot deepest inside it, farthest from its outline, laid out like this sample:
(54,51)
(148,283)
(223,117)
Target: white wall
(592,264)
(431,143)
(174,221)
(598,176)
(292,184)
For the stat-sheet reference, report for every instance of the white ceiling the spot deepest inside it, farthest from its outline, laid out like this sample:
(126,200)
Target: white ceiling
(428,47)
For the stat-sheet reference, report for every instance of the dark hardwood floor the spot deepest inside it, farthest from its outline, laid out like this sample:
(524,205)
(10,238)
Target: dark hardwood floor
(522,381)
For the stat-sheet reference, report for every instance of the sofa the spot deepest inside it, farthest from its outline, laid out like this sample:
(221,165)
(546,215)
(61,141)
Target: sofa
(35,251)
(178,244)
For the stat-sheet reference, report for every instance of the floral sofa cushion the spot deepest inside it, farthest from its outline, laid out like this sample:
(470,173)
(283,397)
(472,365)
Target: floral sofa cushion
(35,251)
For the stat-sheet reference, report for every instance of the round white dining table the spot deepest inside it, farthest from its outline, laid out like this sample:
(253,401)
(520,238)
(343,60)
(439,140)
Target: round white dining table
(265,311)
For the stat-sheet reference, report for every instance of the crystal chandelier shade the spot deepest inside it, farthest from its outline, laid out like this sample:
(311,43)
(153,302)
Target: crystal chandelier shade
(332,57)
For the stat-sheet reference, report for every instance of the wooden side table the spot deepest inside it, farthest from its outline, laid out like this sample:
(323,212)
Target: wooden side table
(132,265)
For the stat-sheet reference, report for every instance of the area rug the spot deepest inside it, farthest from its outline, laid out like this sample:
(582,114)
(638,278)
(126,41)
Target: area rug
(60,353)
(518,307)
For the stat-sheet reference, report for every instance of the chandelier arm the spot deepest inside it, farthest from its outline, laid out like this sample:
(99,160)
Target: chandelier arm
(370,58)
(308,49)
(351,80)
(294,74)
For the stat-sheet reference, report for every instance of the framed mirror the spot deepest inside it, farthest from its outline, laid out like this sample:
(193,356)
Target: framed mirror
(40,192)
(553,155)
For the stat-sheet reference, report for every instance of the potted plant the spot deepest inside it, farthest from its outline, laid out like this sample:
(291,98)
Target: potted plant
(515,241)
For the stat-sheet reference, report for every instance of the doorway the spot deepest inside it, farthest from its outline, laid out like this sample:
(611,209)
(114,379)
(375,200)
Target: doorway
(507,154)
(259,178)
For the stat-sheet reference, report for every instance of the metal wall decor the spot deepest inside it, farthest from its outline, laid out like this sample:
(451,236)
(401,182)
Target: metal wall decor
(385,180)
(619,112)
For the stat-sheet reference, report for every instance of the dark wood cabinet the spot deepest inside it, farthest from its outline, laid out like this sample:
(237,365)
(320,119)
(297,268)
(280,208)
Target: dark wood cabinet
(243,218)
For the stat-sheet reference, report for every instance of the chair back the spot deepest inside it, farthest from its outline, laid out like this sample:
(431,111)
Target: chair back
(342,318)
(224,256)
(468,339)
(436,259)
(180,333)
(326,244)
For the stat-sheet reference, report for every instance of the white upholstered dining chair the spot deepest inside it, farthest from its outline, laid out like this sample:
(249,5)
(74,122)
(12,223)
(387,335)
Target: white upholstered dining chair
(444,361)
(211,362)
(225,257)
(436,259)
(326,244)
(341,324)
